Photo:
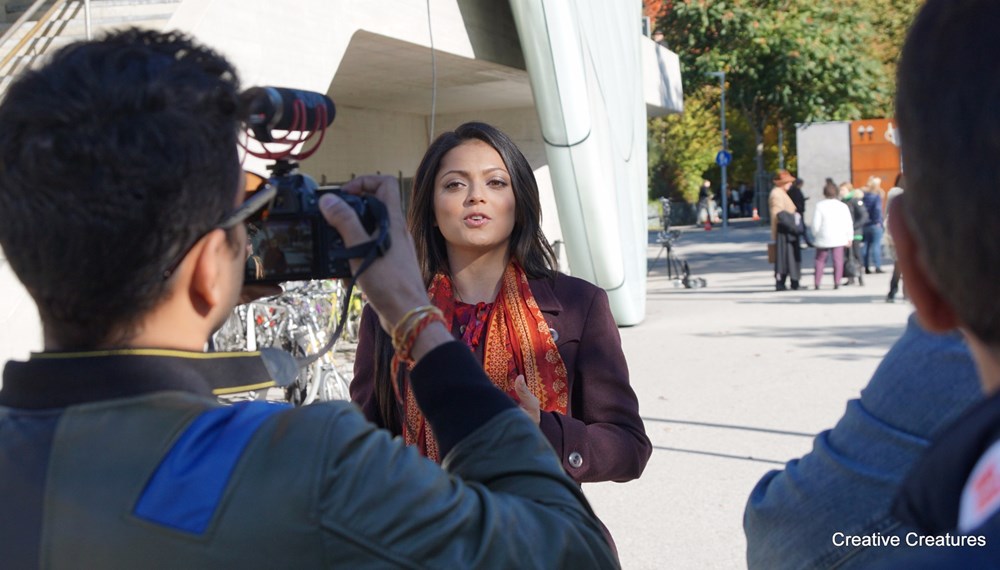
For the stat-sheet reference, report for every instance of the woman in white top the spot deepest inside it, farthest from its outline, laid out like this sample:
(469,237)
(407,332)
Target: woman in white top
(833,230)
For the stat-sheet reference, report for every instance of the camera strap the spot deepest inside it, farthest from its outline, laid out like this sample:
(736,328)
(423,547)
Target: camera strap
(369,251)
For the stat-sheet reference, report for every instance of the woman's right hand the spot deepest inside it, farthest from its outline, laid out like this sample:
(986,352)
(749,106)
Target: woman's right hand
(526,400)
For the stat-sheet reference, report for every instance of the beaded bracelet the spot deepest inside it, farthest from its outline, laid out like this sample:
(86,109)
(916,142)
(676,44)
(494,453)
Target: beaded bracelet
(404,324)
(405,333)
(399,327)
(406,347)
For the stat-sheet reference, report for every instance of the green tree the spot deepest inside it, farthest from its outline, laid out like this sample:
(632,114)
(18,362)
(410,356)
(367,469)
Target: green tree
(682,148)
(890,20)
(786,61)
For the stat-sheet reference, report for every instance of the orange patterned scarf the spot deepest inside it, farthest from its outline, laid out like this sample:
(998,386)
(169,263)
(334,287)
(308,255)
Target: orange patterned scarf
(518,341)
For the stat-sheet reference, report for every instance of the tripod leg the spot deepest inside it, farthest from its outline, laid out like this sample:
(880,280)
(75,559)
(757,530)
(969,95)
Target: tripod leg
(652,265)
(675,263)
(670,261)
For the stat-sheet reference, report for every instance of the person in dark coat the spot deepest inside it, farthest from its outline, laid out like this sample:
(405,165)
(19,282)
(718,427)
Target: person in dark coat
(547,339)
(853,265)
(798,198)
(785,233)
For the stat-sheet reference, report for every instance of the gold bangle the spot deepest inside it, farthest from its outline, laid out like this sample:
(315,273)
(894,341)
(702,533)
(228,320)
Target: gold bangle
(406,324)
(404,329)
(404,348)
(409,314)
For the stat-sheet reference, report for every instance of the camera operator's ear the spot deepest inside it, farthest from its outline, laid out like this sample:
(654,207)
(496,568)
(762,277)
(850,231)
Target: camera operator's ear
(216,274)
(934,311)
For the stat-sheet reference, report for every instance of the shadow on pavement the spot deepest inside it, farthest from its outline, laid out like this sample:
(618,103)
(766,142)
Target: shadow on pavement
(780,299)
(845,338)
(768,296)
(723,455)
(728,426)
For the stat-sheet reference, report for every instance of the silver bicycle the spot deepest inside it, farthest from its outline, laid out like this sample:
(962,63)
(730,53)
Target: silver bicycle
(300,321)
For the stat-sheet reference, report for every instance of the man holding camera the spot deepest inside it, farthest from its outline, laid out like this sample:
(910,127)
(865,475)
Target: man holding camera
(122,214)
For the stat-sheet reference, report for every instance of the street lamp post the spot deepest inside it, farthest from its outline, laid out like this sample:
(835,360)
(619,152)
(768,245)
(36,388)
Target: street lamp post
(722,118)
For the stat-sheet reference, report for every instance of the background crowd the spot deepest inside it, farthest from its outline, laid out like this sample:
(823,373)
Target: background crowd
(848,226)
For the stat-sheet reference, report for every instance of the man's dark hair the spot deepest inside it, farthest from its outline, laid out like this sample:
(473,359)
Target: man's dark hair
(946,105)
(114,158)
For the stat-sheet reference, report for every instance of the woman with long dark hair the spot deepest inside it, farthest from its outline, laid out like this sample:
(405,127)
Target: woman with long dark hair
(547,339)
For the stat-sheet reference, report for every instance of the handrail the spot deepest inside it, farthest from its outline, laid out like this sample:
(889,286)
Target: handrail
(24,17)
(31,33)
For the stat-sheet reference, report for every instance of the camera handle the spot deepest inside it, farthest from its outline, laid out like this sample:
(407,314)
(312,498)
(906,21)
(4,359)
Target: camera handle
(369,251)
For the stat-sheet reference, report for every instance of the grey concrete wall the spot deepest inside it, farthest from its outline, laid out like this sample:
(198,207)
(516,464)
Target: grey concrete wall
(824,151)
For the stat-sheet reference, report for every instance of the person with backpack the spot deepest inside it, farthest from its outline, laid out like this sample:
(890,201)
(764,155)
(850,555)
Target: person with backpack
(852,265)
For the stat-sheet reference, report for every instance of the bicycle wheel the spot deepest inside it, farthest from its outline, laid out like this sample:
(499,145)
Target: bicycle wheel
(335,385)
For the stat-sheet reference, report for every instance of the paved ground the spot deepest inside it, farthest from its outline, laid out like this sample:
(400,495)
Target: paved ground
(733,380)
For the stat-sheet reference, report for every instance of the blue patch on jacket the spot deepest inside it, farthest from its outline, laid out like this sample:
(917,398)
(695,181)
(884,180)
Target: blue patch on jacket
(186,488)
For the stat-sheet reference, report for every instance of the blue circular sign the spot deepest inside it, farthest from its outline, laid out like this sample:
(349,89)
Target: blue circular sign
(723,158)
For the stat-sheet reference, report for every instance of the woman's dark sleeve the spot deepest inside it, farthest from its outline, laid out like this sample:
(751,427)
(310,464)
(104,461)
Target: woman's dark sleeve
(605,439)
(363,384)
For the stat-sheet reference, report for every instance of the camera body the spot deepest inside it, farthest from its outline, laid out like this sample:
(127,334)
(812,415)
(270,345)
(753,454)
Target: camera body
(290,240)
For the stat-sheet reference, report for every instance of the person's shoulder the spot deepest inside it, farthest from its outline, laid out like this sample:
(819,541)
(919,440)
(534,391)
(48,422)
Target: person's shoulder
(566,282)
(320,412)
(320,420)
(564,288)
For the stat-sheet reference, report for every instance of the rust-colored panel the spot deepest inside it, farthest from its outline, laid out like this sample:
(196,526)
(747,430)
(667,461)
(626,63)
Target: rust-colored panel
(873,152)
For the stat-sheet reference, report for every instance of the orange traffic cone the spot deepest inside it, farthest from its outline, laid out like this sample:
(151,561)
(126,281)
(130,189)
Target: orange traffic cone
(756,217)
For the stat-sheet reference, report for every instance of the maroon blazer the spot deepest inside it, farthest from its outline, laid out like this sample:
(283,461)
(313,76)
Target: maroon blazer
(602,438)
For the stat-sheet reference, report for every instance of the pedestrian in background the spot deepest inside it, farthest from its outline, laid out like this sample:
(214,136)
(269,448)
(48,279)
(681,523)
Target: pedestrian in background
(896,190)
(874,229)
(859,215)
(798,198)
(833,232)
(784,234)
(746,199)
(705,202)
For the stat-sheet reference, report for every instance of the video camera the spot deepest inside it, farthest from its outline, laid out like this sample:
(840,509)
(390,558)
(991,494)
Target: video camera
(289,239)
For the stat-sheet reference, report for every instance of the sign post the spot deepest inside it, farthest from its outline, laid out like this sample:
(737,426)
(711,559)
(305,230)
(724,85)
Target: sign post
(723,158)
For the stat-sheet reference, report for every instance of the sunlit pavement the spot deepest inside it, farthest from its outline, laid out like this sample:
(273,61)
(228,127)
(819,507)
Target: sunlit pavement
(734,380)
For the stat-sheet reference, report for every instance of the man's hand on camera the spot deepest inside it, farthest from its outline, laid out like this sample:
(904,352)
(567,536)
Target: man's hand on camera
(393,282)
